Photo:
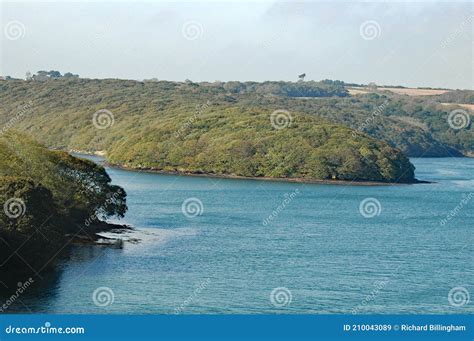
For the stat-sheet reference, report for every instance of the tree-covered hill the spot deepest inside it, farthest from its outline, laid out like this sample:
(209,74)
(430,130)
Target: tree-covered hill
(419,126)
(58,112)
(166,126)
(47,197)
(253,143)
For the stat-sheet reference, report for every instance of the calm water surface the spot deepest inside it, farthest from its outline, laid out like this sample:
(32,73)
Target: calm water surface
(318,245)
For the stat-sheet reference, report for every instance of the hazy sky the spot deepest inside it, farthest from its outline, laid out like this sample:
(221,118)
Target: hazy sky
(412,44)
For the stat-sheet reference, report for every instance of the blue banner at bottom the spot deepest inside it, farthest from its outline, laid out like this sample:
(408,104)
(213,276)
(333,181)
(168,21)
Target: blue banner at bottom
(237,327)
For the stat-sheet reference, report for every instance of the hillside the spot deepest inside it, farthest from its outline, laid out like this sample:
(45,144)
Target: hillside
(58,112)
(419,126)
(167,126)
(234,141)
(47,198)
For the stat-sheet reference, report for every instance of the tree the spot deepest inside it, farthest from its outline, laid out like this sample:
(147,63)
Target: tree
(30,225)
(58,195)
(70,75)
(54,74)
(41,76)
(81,189)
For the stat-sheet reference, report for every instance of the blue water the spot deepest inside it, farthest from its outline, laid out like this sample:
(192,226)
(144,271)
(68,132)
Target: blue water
(328,256)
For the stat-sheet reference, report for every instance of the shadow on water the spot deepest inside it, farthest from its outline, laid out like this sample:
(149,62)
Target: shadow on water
(18,290)
(26,292)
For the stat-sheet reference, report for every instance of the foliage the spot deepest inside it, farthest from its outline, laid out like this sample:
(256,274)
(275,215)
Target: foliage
(31,239)
(234,141)
(416,125)
(201,128)
(53,74)
(62,109)
(58,194)
(458,96)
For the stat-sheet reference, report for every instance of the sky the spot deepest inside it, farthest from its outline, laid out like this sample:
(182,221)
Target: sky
(393,43)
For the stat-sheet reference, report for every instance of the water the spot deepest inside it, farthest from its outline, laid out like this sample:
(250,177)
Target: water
(328,256)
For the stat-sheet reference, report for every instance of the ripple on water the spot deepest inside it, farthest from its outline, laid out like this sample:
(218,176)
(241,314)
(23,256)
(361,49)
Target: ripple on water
(319,246)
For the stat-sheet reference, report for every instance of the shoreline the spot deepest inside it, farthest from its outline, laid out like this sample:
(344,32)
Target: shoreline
(262,178)
(103,154)
(92,235)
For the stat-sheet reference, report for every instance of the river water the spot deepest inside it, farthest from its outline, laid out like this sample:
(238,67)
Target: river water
(211,245)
